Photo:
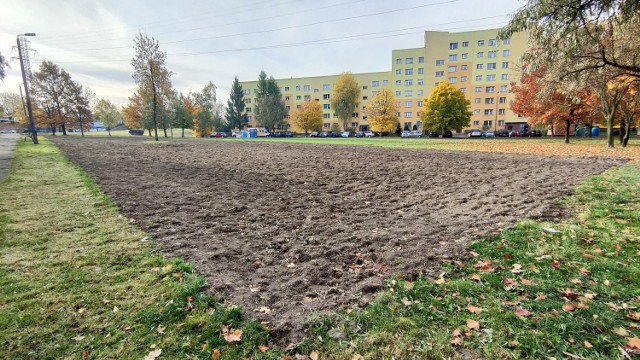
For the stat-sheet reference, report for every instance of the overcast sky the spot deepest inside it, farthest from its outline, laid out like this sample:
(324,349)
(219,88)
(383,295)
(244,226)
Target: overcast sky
(217,40)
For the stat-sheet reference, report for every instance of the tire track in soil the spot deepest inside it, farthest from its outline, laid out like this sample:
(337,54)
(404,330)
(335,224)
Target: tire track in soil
(270,224)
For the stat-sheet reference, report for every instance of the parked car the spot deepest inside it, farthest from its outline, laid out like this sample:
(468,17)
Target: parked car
(314,134)
(219,134)
(406,133)
(434,134)
(359,134)
(369,134)
(335,134)
(489,134)
(324,134)
(416,133)
(284,134)
(502,133)
(475,133)
(236,134)
(447,134)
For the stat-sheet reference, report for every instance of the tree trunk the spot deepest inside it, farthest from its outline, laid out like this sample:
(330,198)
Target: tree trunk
(153,87)
(182,132)
(64,129)
(53,129)
(627,132)
(109,130)
(622,132)
(165,131)
(149,132)
(610,131)
(567,124)
(81,128)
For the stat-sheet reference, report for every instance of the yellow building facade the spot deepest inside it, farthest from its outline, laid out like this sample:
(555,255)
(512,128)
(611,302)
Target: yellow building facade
(475,62)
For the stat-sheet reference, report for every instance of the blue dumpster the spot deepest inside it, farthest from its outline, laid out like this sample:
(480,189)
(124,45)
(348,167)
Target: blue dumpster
(245,134)
(595,131)
(253,133)
(581,132)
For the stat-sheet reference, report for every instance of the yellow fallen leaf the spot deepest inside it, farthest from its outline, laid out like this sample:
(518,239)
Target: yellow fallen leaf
(620,331)
(263,348)
(152,355)
(215,354)
(160,329)
(633,342)
(474,309)
(315,355)
(587,344)
(473,325)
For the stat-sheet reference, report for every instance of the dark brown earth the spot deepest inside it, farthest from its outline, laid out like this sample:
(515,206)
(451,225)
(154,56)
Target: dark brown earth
(290,229)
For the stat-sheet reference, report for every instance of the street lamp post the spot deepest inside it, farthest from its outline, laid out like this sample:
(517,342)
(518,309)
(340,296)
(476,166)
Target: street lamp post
(32,125)
(495,125)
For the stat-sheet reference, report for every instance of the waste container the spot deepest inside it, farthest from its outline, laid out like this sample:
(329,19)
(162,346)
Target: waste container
(581,132)
(595,131)
(245,134)
(253,133)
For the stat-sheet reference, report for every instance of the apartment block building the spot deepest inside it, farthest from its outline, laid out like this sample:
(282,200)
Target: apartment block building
(475,62)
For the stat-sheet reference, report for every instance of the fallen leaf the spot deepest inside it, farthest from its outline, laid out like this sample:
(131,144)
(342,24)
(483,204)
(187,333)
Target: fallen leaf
(357,357)
(160,329)
(474,309)
(472,324)
(115,309)
(569,294)
(541,297)
(475,277)
(508,283)
(568,307)
(314,355)
(555,264)
(307,299)
(263,348)
(587,256)
(634,316)
(590,296)
(516,268)
(457,341)
(474,254)
(523,312)
(525,281)
(576,281)
(456,333)
(587,344)
(507,256)
(584,271)
(78,338)
(215,354)
(439,281)
(633,342)
(620,331)
(153,354)
(263,309)
(607,283)
(230,335)
(290,265)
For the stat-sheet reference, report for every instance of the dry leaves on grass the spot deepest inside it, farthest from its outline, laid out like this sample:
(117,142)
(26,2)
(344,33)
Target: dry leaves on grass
(154,354)
(230,335)
(522,312)
(473,324)
(474,309)
(314,355)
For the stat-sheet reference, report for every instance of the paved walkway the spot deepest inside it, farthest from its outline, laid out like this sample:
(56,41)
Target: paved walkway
(8,144)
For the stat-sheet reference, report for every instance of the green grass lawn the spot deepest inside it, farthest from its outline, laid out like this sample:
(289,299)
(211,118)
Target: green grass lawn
(78,280)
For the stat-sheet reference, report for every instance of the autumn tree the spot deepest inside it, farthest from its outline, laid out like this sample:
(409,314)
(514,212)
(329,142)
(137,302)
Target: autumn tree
(52,90)
(79,103)
(270,110)
(132,112)
(235,115)
(382,112)
(151,74)
(3,65)
(308,117)
(181,118)
(445,109)
(107,113)
(629,111)
(345,97)
(11,105)
(208,109)
(192,111)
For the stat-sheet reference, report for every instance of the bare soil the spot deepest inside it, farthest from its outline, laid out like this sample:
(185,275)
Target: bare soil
(287,230)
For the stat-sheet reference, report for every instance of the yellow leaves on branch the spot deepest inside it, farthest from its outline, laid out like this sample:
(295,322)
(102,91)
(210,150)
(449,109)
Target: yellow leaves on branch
(382,112)
(309,116)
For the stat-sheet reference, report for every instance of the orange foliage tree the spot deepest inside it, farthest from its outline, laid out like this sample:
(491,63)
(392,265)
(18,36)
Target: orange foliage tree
(132,112)
(550,106)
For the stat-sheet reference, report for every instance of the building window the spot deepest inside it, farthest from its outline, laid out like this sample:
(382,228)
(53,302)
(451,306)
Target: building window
(407,114)
(365,87)
(326,96)
(326,86)
(479,66)
(408,71)
(465,56)
(504,77)
(316,90)
(492,54)
(439,62)
(365,98)
(505,53)
(453,46)
(326,106)
(491,78)
(476,112)
(298,107)
(408,93)
(419,103)
(453,68)
(490,89)
(478,89)
(286,98)
(398,71)
(374,93)
(354,124)
(476,123)
(375,84)
(420,81)
(463,67)
(493,42)
(298,97)
(453,80)
(408,61)
(503,100)
(420,70)
(298,88)
(489,100)
(501,111)
(464,90)
(307,97)
(453,57)
(505,64)
(503,88)
(385,82)
(463,78)
(465,44)
(408,103)
(421,60)
(480,42)
(326,116)
(487,123)
(439,73)
(506,41)
(248,109)
(398,93)
(247,92)
(478,77)
(247,101)
(491,66)
(480,54)
(326,125)
(477,100)
(354,115)
(420,92)
(286,88)
(408,82)
(398,82)
(398,61)
(500,122)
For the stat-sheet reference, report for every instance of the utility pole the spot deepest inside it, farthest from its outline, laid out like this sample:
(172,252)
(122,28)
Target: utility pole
(32,125)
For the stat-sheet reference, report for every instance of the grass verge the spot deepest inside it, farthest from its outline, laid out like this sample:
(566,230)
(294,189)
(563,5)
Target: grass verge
(76,281)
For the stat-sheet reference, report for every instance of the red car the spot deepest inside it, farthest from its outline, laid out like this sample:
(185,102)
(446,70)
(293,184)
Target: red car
(219,134)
